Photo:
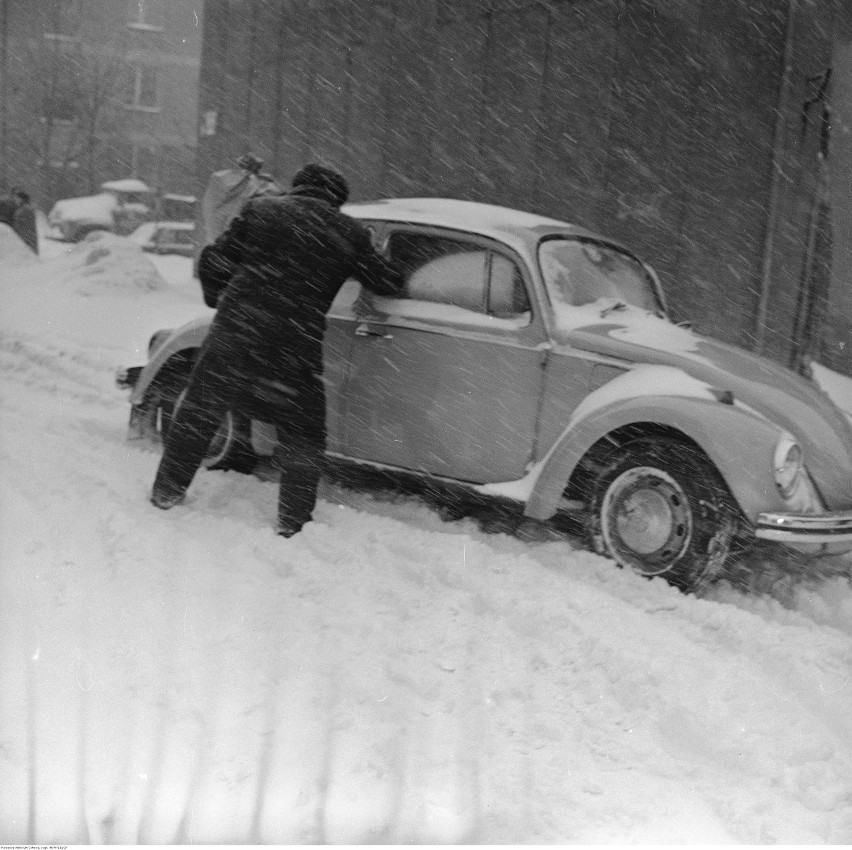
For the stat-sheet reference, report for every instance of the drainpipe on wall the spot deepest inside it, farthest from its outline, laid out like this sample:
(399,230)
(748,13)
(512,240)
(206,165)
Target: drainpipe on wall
(778,145)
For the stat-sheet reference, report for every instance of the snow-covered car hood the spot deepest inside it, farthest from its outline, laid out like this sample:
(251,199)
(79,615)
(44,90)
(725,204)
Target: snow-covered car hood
(782,396)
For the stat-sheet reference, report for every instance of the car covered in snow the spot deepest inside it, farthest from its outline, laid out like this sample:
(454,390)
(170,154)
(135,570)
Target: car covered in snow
(120,207)
(533,362)
(166,237)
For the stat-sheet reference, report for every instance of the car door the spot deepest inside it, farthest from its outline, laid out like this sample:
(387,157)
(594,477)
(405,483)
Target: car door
(447,378)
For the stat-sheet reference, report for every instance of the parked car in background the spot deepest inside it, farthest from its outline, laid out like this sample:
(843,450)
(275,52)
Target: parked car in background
(532,362)
(120,207)
(166,237)
(172,207)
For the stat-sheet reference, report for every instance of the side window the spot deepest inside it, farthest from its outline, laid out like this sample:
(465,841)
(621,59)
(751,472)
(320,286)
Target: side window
(463,276)
(506,294)
(344,303)
(440,270)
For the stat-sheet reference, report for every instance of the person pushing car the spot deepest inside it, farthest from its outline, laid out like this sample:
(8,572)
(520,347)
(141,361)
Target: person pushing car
(273,275)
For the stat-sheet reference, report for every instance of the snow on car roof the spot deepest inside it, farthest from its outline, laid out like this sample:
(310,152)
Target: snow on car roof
(484,219)
(129,184)
(176,225)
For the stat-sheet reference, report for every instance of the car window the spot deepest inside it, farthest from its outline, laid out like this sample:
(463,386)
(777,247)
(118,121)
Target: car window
(439,269)
(506,293)
(463,277)
(579,272)
(346,298)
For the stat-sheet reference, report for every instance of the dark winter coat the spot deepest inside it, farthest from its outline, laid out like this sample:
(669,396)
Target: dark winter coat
(273,275)
(8,207)
(20,216)
(25,225)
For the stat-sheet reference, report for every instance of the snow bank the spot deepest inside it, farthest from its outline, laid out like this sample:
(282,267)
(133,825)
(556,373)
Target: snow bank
(104,291)
(106,261)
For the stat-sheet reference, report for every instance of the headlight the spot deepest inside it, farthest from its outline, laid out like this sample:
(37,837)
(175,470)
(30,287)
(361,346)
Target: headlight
(792,479)
(789,462)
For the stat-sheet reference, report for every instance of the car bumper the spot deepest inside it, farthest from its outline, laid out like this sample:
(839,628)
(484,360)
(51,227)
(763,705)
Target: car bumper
(829,533)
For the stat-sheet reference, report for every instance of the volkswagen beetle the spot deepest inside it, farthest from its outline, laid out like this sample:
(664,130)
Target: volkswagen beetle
(532,361)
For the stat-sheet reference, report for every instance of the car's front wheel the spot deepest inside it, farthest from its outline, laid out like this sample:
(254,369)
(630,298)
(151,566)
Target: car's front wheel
(659,507)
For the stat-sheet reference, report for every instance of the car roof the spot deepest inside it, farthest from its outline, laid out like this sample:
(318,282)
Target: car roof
(471,216)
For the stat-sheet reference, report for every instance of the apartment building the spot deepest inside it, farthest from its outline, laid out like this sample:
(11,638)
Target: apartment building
(92,90)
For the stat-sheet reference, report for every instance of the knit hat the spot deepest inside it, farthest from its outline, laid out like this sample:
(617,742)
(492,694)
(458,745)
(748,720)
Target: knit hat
(319,181)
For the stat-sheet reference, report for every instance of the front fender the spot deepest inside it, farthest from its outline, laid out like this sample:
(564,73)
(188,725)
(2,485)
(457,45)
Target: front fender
(188,336)
(738,442)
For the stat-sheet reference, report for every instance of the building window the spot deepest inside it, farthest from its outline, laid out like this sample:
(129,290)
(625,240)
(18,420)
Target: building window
(60,106)
(146,15)
(142,88)
(63,21)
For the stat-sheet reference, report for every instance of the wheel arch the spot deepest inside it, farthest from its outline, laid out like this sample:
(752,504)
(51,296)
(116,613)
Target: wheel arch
(738,444)
(184,343)
(622,436)
(174,370)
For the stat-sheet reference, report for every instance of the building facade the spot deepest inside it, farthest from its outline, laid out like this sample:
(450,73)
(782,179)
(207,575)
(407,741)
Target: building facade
(689,129)
(93,90)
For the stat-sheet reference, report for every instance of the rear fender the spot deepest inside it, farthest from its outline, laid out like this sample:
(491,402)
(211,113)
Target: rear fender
(739,443)
(187,337)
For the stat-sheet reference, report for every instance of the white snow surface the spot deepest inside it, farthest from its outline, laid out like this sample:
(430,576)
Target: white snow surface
(631,324)
(382,677)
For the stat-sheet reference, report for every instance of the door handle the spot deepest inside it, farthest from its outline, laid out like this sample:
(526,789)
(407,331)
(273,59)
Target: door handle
(368,330)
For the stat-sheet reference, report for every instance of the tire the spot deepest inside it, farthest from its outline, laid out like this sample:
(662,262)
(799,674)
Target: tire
(230,447)
(660,508)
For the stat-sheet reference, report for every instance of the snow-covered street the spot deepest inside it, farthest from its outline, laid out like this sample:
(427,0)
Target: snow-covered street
(382,677)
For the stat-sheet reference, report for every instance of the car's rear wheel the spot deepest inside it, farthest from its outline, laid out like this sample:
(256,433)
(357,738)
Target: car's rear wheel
(231,446)
(659,507)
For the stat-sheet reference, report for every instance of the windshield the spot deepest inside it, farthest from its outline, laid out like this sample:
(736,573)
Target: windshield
(578,272)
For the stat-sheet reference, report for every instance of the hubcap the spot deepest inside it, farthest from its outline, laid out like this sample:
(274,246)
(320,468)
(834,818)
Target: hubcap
(646,521)
(222,439)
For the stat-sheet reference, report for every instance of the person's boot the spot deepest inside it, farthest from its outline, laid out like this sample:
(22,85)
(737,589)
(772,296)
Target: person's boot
(288,529)
(297,492)
(165,501)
